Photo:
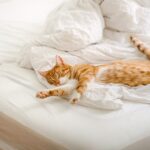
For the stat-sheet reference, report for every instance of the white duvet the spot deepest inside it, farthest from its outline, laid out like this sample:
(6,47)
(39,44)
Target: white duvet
(76,32)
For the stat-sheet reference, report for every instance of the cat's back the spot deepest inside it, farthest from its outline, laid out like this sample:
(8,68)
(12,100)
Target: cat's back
(131,73)
(82,70)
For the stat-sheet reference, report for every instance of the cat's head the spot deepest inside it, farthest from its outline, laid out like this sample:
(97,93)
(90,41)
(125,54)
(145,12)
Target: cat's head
(59,74)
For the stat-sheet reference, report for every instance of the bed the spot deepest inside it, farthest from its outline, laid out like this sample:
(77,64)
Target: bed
(64,123)
(54,123)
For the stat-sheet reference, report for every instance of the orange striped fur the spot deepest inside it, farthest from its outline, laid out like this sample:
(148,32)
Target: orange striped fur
(140,46)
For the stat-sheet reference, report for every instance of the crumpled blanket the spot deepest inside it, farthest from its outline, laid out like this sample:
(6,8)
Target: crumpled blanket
(76,32)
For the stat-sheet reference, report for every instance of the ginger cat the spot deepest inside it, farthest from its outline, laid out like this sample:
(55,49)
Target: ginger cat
(127,72)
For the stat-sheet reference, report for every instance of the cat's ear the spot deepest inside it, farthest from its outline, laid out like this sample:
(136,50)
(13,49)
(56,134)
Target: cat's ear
(59,60)
(43,73)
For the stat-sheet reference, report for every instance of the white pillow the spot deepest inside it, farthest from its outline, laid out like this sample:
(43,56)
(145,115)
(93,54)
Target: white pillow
(126,16)
(74,25)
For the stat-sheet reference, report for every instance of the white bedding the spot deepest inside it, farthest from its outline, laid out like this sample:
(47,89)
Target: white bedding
(64,30)
(74,126)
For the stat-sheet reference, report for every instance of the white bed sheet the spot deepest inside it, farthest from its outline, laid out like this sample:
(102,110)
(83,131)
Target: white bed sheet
(74,126)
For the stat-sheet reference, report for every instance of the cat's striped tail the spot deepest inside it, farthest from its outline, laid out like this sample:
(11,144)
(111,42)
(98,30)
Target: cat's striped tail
(140,46)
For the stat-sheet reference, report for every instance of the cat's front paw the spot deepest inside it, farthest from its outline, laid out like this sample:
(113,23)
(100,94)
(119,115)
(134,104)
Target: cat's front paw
(42,94)
(75,97)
